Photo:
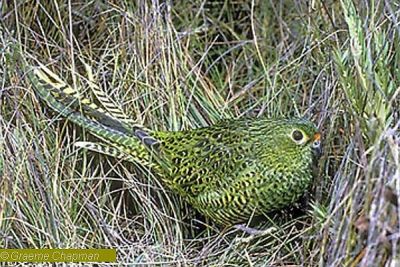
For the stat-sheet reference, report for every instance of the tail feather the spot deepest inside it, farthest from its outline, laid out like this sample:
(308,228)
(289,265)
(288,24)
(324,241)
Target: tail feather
(106,150)
(68,102)
(66,94)
(109,105)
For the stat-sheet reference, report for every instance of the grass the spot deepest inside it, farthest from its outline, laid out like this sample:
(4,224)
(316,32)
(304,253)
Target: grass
(183,65)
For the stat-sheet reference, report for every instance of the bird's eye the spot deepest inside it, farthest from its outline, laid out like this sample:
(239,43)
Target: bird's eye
(297,136)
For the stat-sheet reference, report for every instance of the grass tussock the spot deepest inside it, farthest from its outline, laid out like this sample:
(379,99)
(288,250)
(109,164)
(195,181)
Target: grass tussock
(178,65)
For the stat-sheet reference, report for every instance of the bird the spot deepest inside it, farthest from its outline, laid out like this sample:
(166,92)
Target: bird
(230,171)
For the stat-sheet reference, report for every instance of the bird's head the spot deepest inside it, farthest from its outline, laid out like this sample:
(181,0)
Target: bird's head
(297,137)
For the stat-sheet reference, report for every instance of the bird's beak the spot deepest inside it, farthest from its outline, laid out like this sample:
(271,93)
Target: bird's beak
(317,147)
(317,137)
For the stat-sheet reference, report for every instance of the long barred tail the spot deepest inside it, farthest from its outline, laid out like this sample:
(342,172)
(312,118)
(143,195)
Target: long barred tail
(100,122)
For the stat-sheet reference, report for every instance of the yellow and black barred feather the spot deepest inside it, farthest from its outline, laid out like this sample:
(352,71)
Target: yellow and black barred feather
(69,103)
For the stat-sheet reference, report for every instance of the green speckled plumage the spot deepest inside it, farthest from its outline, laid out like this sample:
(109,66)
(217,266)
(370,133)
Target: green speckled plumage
(229,171)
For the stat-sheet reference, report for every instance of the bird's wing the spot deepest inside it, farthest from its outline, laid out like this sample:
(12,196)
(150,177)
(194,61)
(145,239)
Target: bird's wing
(205,157)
